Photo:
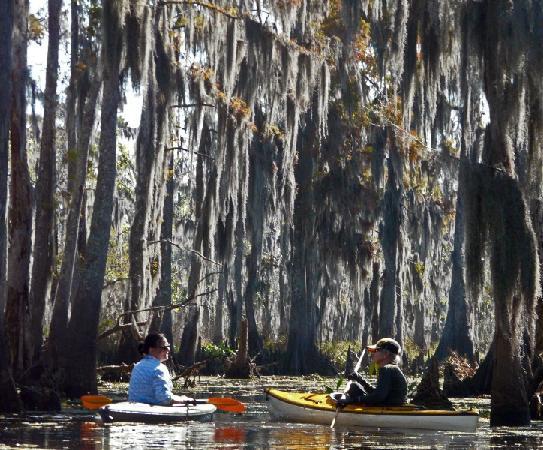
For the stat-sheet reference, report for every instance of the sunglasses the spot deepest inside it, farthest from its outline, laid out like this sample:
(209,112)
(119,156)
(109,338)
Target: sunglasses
(165,347)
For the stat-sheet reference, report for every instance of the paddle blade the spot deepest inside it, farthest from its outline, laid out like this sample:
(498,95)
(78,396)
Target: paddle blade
(94,401)
(227,404)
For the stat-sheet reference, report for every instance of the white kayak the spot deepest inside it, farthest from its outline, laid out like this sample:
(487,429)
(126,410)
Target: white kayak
(321,409)
(142,412)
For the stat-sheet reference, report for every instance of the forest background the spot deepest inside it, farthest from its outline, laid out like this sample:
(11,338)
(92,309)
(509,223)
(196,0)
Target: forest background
(330,172)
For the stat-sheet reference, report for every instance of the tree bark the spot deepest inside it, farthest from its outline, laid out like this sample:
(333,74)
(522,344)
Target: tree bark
(457,333)
(163,322)
(374,301)
(8,393)
(255,217)
(20,215)
(6,25)
(189,338)
(509,63)
(80,347)
(151,163)
(241,366)
(43,256)
(302,352)
(390,236)
(73,233)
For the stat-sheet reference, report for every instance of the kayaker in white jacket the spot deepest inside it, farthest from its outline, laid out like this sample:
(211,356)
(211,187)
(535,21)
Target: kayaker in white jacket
(150,381)
(391,388)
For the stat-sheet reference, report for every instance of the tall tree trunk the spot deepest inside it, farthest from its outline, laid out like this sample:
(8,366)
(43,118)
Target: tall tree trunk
(8,393)
(163,322)
(6,25)
(390,236)
(42,266)
(20,215)
(457,333)
(302,352)
(301,345)
(189,338)
(73,232)
(80,346)
(151,163)
(374,300)
(503,222)
(71,95)
(255,216)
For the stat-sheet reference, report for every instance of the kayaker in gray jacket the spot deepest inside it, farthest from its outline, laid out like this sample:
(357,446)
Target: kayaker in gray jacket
(391,388)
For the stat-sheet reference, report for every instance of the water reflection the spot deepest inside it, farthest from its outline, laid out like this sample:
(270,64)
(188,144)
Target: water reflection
(275,435)
(77,429)
(293,439)
(228,435)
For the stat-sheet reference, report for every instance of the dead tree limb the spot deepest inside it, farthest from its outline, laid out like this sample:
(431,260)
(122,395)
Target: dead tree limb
(190,151)
(120,326)
(117,327)
(192,105)
(203,4)
(167,241)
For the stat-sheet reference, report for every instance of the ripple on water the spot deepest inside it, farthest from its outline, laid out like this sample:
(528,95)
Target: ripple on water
(77,429)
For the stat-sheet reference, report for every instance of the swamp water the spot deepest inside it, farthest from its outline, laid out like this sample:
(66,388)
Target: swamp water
(75,428)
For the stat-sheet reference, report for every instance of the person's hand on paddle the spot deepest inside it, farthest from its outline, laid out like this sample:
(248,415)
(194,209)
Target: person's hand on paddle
(181,399)
(354,376)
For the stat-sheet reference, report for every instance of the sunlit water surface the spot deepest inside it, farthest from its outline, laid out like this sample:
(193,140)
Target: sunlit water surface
(75,428)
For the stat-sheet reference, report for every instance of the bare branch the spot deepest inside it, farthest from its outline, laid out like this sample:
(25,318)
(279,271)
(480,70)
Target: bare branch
(121,326)
(116,328)
(163,308)
(191,105)
(190,151)
(181,248)
(206,258)
(207,276)
(203,4)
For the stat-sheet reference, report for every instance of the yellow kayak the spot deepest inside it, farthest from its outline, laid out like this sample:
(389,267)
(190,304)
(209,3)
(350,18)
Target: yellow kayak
(320,408)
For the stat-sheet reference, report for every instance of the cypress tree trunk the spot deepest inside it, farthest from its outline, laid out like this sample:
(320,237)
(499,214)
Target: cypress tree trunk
(510,65)
(390,236)
(20,215)
(261,157)
(80,346)
(374,301)
(151,163)
(6,25)
(163,322)
(73,233)
(302,353)
(43,255)
(8,393)
(189,338)
(458,324)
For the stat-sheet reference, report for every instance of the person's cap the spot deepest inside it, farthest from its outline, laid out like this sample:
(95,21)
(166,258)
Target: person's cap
(385,344)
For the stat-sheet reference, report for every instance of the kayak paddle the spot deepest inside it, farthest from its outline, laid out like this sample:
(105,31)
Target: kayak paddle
(228,404)
(356,369)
